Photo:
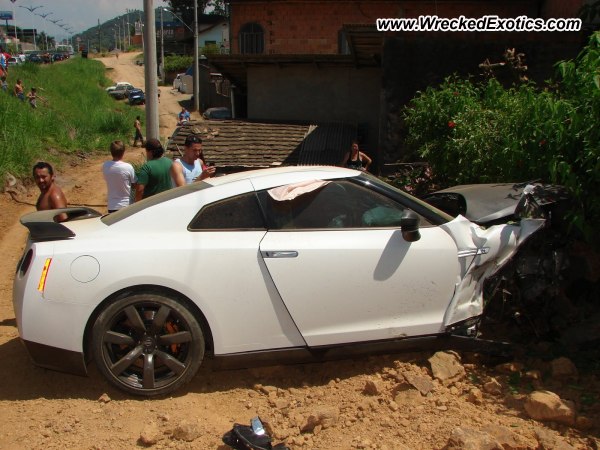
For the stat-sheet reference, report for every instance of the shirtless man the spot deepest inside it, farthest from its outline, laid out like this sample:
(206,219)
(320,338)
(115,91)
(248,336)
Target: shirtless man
(51,196)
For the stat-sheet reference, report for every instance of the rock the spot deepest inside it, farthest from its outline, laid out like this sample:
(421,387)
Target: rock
(463,438)
(547,406)
(423,383)
(533,375)
(325,417)
(549,441)
(150,435)
(104,398)
(279,403)
(493,387)
(446,367)
(408,397)
(564,369)
(584,423)
(509,368)
(475,396)
(507,438)
(372,388)
(187,431)
(267,390)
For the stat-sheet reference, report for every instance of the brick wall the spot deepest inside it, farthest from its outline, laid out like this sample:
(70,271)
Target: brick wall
(309,26)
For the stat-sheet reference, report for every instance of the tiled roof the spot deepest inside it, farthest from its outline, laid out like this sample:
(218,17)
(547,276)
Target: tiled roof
(238,145)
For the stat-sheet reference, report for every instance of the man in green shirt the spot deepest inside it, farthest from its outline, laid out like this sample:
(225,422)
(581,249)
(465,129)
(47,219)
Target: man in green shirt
(155,175)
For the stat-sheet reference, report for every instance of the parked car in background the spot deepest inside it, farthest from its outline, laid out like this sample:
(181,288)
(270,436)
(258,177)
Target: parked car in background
(137,97)
(121,92)
(302,262)
(13,61)
(35,58)
(118,84)
(220,112)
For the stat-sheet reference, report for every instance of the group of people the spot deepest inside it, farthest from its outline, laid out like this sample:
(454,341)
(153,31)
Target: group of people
(157,174)
(124,185)
(19,92)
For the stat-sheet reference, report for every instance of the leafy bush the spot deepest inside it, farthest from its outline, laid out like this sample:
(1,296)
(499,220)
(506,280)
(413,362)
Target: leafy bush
(178,63)
(482,132)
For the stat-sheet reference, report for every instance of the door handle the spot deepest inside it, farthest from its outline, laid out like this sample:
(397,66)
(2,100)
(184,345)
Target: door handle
(279,254)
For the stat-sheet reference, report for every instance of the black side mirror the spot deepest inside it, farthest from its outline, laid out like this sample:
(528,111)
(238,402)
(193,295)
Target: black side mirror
(409,225)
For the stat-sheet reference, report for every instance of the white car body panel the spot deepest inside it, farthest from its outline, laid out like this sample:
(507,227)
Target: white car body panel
(375,290)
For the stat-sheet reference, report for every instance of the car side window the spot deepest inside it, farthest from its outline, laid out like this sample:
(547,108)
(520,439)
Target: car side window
(236,213)
(338,204)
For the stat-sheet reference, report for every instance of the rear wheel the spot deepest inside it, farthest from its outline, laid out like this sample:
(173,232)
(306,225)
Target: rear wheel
(147,344)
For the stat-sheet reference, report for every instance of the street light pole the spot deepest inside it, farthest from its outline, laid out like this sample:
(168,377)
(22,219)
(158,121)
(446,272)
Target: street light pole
(196,59)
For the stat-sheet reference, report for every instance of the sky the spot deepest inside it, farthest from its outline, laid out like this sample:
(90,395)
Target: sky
(76,14)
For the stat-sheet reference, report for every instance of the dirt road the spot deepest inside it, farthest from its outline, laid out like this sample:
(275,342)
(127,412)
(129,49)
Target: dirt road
(384,402)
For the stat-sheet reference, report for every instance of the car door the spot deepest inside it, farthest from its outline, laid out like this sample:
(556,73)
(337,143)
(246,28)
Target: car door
(344,271)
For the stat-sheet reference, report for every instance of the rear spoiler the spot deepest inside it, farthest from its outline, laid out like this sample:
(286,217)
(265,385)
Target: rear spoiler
(42,225)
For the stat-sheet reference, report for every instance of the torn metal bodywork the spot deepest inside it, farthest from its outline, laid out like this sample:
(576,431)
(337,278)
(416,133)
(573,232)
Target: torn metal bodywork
(482,252)
(505,277)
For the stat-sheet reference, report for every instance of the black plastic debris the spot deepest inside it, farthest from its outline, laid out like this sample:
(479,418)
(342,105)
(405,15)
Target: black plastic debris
(252,437)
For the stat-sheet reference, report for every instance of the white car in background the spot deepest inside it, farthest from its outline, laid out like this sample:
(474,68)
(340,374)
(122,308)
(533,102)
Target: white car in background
(120,84)
(290,262)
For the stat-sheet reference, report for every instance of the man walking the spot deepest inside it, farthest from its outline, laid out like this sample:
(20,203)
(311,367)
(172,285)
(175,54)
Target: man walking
(138,132)
(51,196)
(155,175)
(119,177)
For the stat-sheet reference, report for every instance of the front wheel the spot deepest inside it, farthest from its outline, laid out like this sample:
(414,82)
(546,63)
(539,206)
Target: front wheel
(147,344)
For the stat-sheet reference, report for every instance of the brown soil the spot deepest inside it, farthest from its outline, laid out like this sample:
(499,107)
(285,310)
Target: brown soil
(359,403)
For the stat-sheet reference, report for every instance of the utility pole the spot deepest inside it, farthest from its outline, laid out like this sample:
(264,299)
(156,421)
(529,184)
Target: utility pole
(162,48)
(150,71)
(196,60)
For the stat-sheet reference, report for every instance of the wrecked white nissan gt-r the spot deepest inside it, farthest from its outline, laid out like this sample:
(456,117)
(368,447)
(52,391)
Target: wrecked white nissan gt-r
(288,263)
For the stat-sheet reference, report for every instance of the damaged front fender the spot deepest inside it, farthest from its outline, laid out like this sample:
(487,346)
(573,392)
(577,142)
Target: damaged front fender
(482,252)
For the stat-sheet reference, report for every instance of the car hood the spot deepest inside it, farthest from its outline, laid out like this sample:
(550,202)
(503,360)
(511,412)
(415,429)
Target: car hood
(494,202)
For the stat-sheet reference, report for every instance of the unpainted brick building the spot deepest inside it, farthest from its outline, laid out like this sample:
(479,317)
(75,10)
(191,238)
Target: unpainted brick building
(324,61)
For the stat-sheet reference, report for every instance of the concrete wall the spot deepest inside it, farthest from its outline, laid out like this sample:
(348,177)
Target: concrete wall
(327,94)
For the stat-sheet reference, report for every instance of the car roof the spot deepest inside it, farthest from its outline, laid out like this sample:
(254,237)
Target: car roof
(286,174)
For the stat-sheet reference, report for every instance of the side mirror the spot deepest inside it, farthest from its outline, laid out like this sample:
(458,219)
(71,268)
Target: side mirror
(409,225)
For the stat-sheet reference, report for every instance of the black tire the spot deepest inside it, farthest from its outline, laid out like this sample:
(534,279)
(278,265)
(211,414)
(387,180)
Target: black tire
(147,344)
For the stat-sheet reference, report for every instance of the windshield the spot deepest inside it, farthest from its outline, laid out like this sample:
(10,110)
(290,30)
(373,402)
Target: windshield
(428,211)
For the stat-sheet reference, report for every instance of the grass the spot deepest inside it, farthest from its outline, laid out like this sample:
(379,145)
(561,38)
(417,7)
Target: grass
(76,116)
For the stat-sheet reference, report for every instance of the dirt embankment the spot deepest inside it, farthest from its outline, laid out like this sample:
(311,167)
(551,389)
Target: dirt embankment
(384,402)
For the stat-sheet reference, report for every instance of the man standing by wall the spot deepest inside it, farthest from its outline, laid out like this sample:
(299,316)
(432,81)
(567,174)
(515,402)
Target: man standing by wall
(155,175)
(119,177)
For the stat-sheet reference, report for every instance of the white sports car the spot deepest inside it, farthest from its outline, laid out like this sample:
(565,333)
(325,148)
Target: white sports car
(287,262)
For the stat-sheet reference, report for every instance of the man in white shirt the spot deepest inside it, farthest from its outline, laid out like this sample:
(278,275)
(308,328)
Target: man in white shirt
(119,177)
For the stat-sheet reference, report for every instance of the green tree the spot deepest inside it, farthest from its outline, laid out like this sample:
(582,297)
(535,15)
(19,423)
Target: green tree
(483,132)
